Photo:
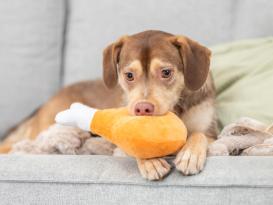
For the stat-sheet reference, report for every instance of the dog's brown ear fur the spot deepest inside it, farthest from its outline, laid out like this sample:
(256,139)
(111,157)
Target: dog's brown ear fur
(196,61)
(110,62)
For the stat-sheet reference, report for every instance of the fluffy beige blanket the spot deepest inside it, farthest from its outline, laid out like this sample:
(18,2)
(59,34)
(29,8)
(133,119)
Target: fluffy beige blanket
(246,136)
(243,137)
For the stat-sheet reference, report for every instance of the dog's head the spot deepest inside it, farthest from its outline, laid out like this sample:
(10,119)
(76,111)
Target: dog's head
(153,67)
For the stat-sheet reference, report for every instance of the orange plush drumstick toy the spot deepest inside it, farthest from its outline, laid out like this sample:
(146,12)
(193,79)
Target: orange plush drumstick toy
(142,137)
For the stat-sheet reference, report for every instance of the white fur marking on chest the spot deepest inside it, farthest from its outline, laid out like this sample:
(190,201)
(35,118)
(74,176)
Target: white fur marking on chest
(199,117)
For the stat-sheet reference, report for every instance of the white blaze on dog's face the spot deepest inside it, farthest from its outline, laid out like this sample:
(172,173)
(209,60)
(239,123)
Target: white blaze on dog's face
(160,86)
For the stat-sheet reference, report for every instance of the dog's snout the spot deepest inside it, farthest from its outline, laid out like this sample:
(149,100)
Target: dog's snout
(144,108)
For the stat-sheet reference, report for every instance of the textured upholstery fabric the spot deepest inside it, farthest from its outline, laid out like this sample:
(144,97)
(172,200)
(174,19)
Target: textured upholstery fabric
(104,180)
(30,56)
(252,19)
(95,24)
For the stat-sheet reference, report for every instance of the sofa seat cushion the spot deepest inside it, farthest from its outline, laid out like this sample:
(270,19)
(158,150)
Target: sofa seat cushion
(93,179)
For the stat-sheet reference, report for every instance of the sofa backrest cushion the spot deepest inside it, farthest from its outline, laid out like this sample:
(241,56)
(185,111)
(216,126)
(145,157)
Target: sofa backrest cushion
(93,25)
(30,56)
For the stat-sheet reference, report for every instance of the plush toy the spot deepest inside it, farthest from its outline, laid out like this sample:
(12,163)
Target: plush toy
(142,137)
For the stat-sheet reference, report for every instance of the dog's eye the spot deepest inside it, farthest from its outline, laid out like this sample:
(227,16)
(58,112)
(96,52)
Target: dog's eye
(166,73)
(129,76)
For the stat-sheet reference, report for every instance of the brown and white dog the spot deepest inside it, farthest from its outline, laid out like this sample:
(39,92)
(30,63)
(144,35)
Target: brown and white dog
(151,72)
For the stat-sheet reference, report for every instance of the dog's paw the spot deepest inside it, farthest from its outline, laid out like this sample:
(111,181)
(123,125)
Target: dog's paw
(192,157)
(218,149)
(189,162)
(154,169)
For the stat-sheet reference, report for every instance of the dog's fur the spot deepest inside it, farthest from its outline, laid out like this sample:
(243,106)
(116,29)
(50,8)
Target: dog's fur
(188,91)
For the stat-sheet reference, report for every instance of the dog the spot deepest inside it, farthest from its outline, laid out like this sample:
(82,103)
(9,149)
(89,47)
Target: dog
(151,73)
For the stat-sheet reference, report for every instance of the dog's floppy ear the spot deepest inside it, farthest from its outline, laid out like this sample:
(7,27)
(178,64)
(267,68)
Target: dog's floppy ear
(110,62)
(196,61)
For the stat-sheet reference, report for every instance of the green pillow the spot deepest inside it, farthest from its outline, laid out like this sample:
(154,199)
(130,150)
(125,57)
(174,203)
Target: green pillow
(243,75)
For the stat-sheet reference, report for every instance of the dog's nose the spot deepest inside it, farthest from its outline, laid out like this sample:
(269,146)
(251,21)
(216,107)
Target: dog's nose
(144,108)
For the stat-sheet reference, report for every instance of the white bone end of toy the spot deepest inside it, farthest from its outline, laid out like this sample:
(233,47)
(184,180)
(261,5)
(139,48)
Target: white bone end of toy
(77,115)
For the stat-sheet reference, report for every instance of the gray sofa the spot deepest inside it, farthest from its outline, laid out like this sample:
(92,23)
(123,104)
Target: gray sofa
(47,44)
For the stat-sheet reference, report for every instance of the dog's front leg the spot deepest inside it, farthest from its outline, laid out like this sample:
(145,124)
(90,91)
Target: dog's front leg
(192,157)
(153,169)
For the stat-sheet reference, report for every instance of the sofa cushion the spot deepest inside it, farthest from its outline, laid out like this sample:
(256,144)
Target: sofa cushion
(63,179)
(92,25)
(30,56)
(252,19)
